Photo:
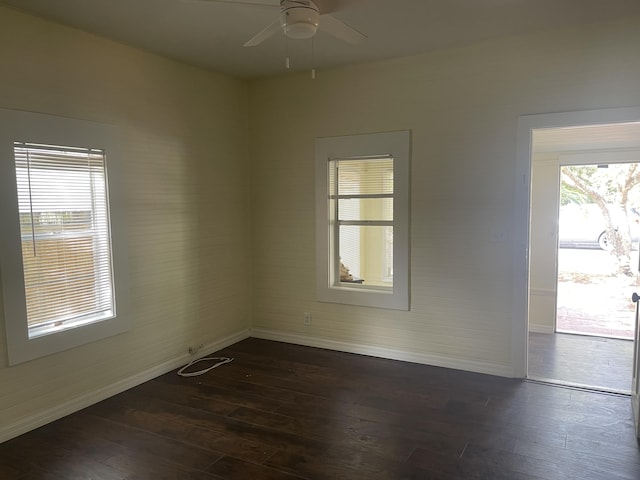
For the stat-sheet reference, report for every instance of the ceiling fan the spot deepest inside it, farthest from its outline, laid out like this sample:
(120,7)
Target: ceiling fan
(300,19)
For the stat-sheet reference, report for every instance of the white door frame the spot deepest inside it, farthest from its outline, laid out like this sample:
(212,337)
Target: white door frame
(522,205)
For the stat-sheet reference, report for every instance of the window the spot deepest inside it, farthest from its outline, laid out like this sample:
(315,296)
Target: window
(362,202)
(64,229)
(58,245)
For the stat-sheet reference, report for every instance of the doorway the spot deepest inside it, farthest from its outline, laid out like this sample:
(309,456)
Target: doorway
(581,317)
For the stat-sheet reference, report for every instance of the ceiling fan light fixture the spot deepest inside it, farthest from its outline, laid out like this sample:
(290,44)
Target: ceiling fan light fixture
(300,22)
(300,30)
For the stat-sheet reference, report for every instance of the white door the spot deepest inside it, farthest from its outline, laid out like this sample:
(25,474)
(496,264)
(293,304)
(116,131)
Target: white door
(635,382)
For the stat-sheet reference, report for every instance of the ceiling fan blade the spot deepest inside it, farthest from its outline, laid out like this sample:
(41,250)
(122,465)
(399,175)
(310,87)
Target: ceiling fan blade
(341,30)
(273,28)
(331,6)
(257,3)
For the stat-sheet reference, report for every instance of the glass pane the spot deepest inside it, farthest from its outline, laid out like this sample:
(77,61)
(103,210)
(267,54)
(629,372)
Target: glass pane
(65,234)
(366,255)
(365,176)
(365,209)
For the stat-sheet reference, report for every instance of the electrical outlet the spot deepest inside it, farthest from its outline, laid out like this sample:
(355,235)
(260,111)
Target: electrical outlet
(307,318)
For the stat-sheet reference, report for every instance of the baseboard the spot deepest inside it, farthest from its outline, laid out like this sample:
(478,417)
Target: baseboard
(30,423)
(540,328)
(381,352)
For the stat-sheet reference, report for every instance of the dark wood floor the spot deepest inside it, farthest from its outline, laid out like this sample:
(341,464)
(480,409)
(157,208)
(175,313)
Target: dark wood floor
(597,362)
(281,411)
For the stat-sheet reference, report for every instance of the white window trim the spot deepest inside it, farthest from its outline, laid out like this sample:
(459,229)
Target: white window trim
(26,126)
(397,145)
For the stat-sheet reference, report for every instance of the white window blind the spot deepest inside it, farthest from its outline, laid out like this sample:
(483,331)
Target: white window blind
(64,227)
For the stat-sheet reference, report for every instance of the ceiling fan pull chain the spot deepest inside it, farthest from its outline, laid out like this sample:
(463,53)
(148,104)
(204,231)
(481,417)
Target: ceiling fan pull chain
(286,52)
(313,58)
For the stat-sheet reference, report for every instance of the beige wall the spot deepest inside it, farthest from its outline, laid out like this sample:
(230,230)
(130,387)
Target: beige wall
(184,137)
(462,106)
(545,197)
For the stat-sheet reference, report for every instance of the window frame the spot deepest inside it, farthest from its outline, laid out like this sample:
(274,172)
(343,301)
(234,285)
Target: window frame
(47,129)
(391,144)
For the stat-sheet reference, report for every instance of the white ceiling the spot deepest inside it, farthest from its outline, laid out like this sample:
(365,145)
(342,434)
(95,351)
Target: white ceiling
(211,34)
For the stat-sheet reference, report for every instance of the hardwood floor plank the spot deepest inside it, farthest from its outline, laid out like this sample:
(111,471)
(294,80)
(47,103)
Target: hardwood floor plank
(34,455)
(617,450)
(495,463)
(458,468)
(300,384)
(8,472)
(265,396)
(235,469)
(353,432)
(39,475)
(172,426)
(192,394)
(582,359)
(615,406)
(160,449)
(145,466)
(207,394)
(345,463)
(583,465)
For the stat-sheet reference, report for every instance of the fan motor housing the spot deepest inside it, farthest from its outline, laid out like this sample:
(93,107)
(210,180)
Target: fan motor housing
(299,19)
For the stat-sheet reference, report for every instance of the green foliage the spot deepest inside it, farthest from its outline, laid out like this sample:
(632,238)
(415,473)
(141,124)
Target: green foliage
(570,194)
(613,184)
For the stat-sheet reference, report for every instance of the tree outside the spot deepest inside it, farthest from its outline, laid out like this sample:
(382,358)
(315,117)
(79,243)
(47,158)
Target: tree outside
(614,189)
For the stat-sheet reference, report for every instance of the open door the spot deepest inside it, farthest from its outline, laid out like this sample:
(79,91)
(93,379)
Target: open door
(635,382)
